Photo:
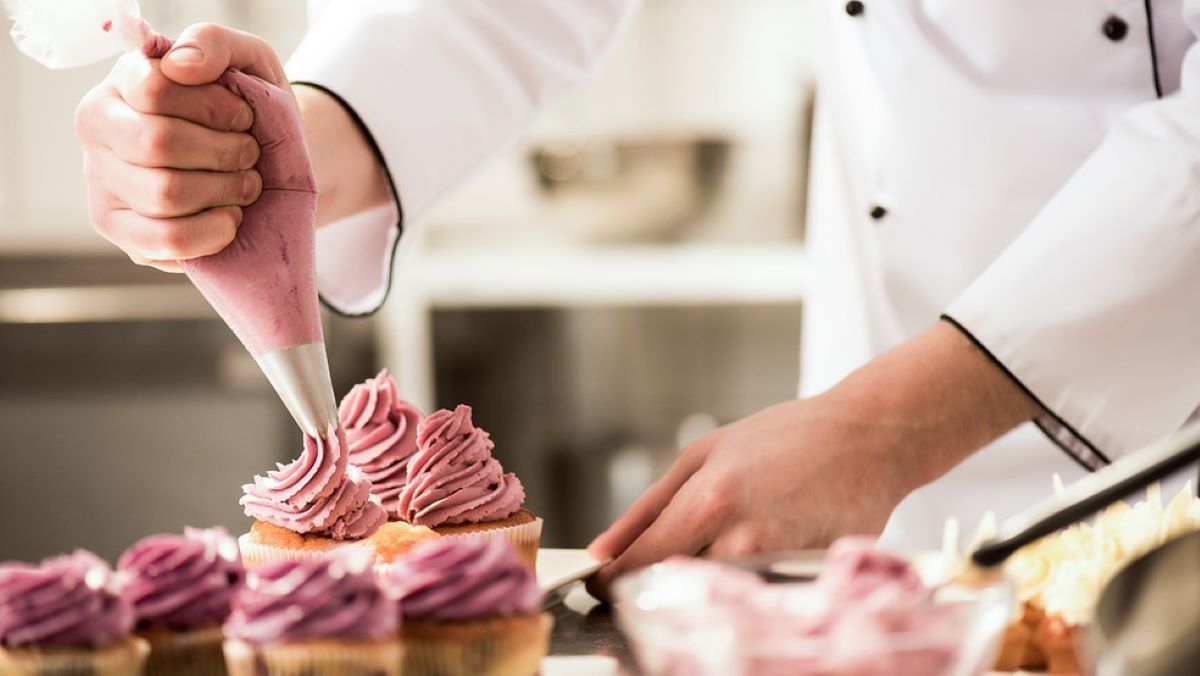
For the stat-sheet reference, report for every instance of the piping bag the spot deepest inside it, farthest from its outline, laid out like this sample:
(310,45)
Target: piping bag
(264,283)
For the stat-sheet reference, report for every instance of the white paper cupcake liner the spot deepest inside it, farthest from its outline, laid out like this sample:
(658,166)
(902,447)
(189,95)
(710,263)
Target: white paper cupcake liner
(121,659)
(490,647)
(525,537)
(325,657)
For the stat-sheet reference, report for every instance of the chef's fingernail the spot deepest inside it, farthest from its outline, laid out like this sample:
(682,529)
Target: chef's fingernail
(248,157)
(243,119)
(186,55)
(250,183)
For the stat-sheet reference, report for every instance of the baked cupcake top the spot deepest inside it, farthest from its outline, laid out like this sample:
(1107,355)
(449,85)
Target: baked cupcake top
(335,597)
(462,579)
(453,478)
(316,493)
(181,582)
(381,435)
(65,601)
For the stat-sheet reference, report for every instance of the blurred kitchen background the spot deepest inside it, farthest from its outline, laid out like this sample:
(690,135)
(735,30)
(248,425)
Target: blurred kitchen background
(626,278)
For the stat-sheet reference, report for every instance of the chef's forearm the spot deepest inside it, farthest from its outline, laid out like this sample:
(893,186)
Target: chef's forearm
(349,175)
(933,401)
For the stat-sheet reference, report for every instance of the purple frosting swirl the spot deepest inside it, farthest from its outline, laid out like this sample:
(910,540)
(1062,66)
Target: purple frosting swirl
(316,493)
(65,601)
(453,478)
(381,435)
(181,582)
(462,579)
(334,597)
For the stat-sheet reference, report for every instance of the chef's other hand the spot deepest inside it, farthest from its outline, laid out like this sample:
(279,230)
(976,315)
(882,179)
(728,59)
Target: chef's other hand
(167,157)
(800,474)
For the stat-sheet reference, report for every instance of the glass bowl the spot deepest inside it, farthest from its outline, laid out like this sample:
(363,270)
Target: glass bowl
(680,624)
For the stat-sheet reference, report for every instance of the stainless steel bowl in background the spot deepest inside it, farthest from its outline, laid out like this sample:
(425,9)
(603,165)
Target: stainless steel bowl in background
(629,190)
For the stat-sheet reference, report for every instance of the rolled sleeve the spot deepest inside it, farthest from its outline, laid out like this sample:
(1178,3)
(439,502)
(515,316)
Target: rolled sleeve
(439,86)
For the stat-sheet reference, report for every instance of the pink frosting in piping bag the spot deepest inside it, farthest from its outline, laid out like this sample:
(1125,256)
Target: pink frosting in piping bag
(264,283)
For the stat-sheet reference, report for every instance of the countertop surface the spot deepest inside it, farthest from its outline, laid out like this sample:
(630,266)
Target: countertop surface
(585,641)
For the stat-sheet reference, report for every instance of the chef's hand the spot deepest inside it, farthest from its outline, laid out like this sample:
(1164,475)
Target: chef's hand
(800,474)
(168,159)
(167,156)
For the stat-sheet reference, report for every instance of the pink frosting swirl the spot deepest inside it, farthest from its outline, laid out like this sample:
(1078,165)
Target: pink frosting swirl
(66,601)
(316,493)
(453,478)
(381,433)
(334,597)
(450,579)
(181,582)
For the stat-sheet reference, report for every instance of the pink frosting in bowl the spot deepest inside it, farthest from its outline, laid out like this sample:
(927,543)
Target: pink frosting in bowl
(453,478)
(317,493)
(381,433)
(868,613)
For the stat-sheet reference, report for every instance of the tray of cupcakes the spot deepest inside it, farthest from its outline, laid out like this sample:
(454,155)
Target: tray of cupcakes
(395,544)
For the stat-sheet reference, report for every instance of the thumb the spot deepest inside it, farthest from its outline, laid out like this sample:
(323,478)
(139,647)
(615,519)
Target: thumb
(204,51)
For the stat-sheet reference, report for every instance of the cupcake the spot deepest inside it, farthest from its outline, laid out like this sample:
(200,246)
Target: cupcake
(64,617)
(468,607)
(309,507)
(180,588)
(381,436)
(312,616)
(457,488)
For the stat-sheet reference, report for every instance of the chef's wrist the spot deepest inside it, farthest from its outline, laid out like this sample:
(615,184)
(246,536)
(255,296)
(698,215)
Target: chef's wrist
(350,176)
(931,402)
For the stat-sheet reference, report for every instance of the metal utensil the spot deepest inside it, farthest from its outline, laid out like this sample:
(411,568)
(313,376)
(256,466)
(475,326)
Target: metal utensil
(556,591)
(1092,494)
(1147,621)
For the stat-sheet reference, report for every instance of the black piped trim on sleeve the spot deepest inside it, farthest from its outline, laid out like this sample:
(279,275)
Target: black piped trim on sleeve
(1158,90)
(1055,428)
(387,173)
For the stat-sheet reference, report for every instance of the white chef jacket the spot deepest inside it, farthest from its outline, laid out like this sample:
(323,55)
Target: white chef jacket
(1030,170)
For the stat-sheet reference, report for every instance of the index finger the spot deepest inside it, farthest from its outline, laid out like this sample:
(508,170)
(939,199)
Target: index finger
(684,527)
(617,538)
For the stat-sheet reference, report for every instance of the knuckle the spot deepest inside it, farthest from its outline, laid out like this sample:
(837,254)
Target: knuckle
(155,140)
(85,113)
(715,501)
(166,190)
(744,543)
(206,31)
(171,241)
(152,92)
